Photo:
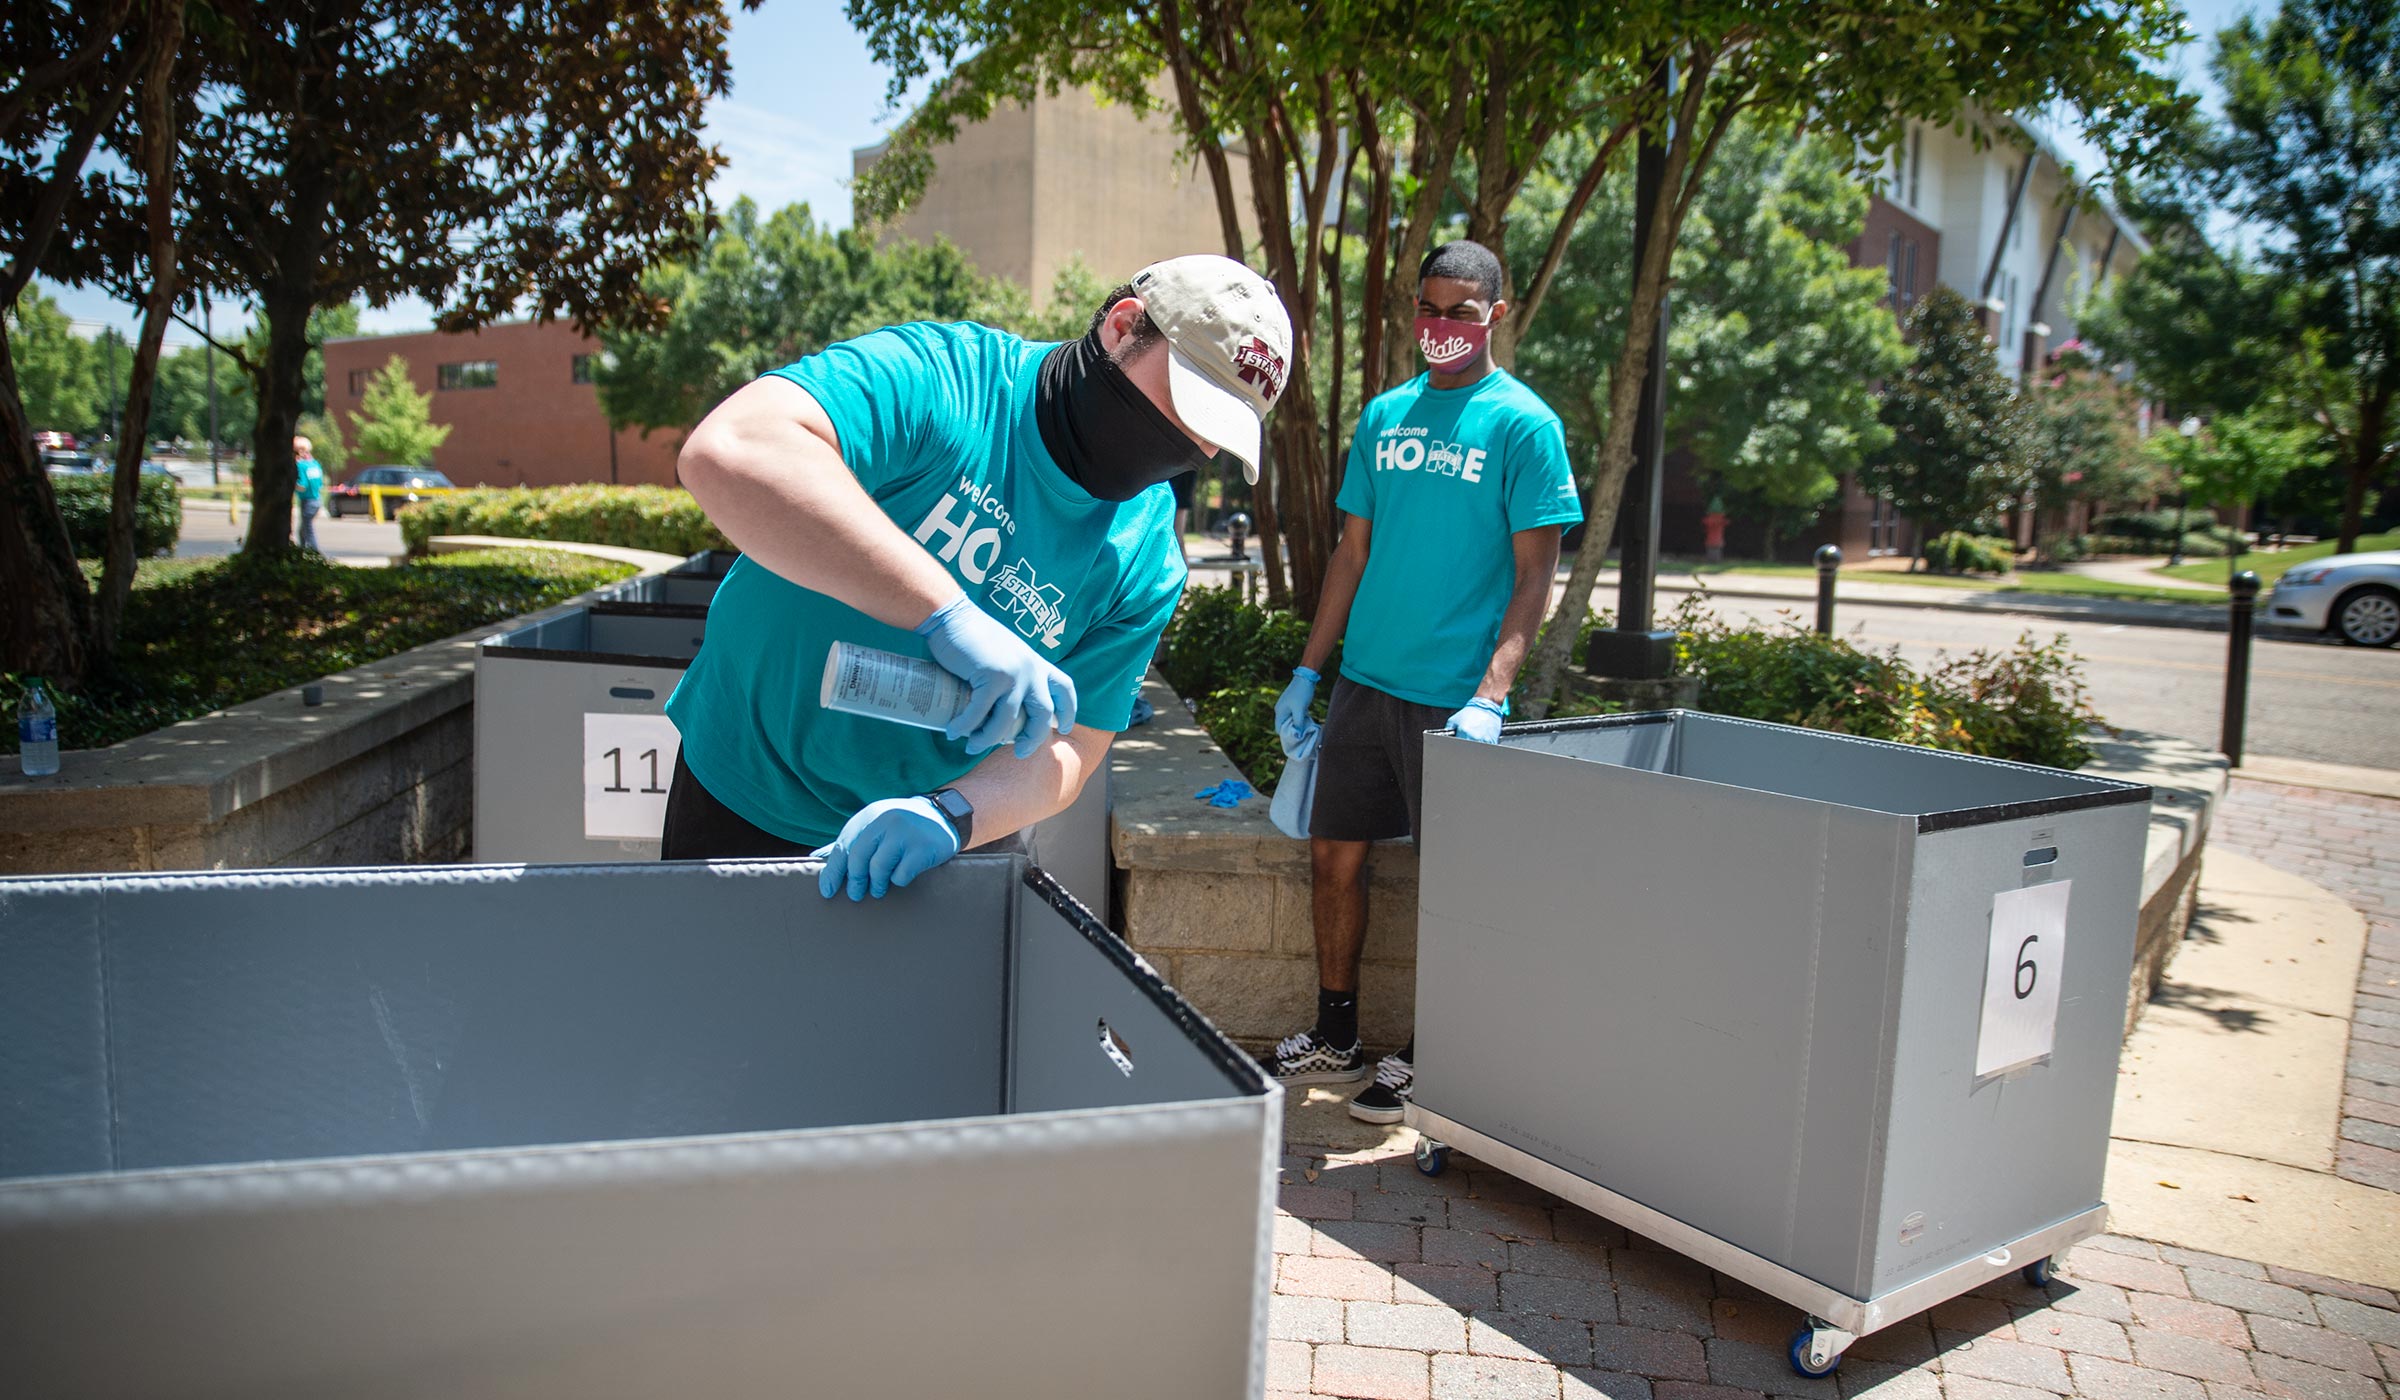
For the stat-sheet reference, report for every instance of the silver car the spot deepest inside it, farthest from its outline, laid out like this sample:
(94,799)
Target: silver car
(2354,596)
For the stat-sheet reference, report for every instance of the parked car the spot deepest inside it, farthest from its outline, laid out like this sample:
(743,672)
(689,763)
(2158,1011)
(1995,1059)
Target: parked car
(2354,596)
(50,440)
(350,497)
(69,463)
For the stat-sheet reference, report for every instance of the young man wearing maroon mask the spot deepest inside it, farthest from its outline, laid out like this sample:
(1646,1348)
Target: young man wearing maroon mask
(1453,501)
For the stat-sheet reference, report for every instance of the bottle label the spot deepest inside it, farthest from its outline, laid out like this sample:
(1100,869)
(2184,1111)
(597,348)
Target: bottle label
(37,730)
(884,685)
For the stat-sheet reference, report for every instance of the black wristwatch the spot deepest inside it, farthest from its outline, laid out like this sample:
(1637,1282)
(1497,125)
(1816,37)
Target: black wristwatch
(952,803)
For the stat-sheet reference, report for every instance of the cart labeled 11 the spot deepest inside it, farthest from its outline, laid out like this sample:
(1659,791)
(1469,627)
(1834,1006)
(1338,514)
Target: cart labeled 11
(627,762)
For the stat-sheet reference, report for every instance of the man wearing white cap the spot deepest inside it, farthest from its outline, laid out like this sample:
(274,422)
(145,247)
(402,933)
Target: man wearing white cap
(955,492)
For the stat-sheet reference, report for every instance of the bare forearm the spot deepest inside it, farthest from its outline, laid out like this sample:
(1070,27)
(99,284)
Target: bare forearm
(1342,573)
(1527,603)
(765,467)
(1011,793)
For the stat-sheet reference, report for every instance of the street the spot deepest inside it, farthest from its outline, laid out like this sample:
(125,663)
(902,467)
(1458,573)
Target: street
(355,539)
(2308,699)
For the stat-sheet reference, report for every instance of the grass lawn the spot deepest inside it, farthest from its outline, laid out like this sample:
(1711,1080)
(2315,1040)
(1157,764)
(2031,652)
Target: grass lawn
(2071,585)
(202,634)
(2270,567)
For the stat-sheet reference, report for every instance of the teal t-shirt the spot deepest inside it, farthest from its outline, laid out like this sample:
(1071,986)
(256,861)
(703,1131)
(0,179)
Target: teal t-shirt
(937,423)
(1446,476)
(311,483)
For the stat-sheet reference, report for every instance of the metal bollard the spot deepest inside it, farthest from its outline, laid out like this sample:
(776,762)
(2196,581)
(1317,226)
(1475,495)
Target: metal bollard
(2237,665)
(1829,562)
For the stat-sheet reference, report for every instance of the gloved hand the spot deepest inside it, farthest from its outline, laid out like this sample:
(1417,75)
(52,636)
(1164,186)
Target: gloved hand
(1292,724)
(1479,720)
(886,843)
(1018,697)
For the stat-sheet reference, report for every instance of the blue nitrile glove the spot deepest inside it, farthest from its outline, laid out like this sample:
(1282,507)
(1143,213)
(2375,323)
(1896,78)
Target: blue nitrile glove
(887,843)
(1479,720)
(1018,697)
(1228,793)
(1292,724)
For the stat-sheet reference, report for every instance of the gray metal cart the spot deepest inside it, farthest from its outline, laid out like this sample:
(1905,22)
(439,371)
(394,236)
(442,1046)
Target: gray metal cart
(573,748)
(615,1131)
(692,583)
(1835,1017)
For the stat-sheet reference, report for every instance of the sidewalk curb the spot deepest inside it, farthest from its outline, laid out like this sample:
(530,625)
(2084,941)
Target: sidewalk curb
(2190,617)
(2330,777)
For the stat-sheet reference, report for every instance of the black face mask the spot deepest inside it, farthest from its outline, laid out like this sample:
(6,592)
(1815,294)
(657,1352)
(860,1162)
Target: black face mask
(1101,429)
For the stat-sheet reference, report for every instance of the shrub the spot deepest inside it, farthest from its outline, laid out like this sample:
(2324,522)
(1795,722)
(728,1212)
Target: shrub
(202,634)
(84,502)
(2068,549)
(1960,553)
(2028,703)
(2156,529)
(663,518)
(1236,657)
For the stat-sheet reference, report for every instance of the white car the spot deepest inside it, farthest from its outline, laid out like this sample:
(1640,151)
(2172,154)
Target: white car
(2354,596)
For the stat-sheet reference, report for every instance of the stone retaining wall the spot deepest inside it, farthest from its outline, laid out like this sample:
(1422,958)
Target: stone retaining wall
(381,773)
(1218,899)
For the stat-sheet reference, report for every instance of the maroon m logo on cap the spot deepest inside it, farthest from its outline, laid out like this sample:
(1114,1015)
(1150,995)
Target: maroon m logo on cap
(1257,363)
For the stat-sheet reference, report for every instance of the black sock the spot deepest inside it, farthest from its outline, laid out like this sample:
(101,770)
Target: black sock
(1408,1052)
(1337,1018)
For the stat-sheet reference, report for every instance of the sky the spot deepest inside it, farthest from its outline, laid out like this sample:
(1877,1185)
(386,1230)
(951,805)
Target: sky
(805,94)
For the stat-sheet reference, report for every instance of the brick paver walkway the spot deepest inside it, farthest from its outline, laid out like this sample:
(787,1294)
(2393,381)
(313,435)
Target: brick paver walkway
(2350,845)
(1475,1286)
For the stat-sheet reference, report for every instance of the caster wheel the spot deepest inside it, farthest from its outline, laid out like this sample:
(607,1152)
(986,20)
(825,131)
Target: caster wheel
(1433,1158)
(2036,1274)
(1802,1364)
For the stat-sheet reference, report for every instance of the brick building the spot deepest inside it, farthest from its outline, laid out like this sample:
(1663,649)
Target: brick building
(2004,226)
(518,399)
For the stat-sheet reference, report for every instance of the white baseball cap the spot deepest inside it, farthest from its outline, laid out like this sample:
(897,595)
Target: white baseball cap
(1229,346)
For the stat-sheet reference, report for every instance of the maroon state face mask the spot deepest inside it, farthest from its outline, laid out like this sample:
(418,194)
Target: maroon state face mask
(1447,344)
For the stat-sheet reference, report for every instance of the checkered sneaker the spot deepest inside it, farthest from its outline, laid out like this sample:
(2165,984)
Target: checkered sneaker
(1304,1059)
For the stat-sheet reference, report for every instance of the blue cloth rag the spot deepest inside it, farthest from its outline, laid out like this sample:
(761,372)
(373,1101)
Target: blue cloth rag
(1228,793)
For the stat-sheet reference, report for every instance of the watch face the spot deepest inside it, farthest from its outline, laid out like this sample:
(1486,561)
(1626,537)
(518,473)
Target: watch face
(954,802)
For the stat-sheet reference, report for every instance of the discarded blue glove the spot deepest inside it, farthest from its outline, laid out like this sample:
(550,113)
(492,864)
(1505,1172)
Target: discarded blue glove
(1228,793)
(886,844)
(1479,720)
(1143,713)
(1017,696)
(1292,724)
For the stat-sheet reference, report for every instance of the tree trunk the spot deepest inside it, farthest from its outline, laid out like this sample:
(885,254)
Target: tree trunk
(274,472)
(45,607)
(1549,661)
(158,160)
(2365,464)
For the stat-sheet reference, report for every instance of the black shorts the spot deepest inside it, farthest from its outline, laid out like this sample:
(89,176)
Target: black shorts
(1371,764)
(699,827)
(1181,485)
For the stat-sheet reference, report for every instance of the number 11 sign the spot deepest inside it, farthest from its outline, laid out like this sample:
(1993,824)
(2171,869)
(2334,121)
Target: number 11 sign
(2020,977)
(627,760)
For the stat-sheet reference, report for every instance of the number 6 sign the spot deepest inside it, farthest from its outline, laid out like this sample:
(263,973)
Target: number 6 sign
(2020,979)
(627,760)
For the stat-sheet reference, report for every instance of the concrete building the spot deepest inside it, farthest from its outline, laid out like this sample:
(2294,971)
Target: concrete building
(1033,187)
(518,399)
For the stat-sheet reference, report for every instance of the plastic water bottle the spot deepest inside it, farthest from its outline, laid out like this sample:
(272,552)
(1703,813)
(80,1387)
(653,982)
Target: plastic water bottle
(37,732)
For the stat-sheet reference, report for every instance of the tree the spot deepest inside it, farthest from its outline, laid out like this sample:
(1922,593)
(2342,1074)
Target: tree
(1777,339)
(1312,93)
(489,157)
(2081,444)
(1957,447)
(2308,154)
(179,406)
(91,59)
(762,293)
(394,422)
(2236,461)
(57,375)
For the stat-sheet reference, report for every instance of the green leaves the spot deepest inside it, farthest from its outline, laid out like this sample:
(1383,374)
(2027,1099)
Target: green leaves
(394,421)
(1957,428)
